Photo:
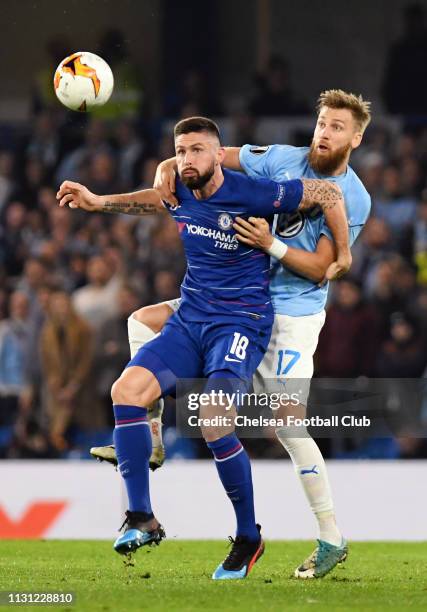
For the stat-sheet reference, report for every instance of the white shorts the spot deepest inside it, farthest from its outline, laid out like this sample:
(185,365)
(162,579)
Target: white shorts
(289,354)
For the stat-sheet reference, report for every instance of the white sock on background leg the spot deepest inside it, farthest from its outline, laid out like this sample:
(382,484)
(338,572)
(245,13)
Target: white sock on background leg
(155,417)
(139,334)
(311,470)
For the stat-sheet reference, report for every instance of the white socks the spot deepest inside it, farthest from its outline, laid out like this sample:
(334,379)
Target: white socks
(139,334)
(311,470)
(155,419)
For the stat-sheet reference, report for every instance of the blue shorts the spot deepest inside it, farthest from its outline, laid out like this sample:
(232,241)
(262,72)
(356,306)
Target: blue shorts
(189,350)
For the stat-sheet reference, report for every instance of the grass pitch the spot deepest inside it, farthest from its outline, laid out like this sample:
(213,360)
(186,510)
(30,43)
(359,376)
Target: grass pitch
(176,576)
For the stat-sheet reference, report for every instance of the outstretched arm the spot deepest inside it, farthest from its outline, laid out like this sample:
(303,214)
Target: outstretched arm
(145,202)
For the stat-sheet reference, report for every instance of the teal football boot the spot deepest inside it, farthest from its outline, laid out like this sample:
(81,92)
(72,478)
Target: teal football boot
(322,560)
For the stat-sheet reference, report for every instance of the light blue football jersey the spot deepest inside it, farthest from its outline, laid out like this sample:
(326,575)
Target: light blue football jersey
(291,293)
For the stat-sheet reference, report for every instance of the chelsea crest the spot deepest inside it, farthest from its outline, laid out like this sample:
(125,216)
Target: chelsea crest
(225,221)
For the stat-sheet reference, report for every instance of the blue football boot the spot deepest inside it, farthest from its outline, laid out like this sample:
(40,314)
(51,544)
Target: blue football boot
(243,555)
(138,532)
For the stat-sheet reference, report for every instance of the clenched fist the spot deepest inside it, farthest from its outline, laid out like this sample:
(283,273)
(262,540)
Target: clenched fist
(78,196)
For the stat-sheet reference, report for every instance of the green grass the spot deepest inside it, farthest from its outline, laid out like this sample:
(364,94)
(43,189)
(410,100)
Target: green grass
(176,576)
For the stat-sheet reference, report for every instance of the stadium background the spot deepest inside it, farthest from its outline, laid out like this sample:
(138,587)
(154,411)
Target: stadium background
(256,66)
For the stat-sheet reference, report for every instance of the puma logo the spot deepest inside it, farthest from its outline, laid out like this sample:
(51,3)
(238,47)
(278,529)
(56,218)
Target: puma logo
(312,471)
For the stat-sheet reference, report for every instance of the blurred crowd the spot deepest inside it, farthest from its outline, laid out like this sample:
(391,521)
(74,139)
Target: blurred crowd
(380,309)
(69,280)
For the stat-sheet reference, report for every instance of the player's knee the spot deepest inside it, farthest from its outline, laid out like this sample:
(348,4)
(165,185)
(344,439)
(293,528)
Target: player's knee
(118,393)
(154,317)
(292,437)
(212,434)
(141,315)
(123,392)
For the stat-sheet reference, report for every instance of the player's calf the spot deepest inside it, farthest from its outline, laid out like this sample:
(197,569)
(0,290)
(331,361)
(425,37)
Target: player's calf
(311,470)
(231,459)
(158,455)
(137,387)
(143,325)
(234,471)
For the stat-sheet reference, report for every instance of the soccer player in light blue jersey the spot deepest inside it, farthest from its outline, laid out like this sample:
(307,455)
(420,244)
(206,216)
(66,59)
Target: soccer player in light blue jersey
(302,253)
(298,296)
(221,328)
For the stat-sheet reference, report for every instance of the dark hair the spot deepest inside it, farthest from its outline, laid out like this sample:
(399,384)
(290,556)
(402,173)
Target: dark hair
(196,124)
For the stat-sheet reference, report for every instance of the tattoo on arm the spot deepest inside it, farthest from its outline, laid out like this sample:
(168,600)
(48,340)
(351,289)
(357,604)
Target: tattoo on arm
(130,208)
(320,192)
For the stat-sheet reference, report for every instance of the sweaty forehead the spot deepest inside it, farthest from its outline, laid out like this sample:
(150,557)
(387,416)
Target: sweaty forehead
(187,140)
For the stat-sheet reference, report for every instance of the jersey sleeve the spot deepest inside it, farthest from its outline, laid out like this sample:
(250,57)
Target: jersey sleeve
(264,162)
(267,197)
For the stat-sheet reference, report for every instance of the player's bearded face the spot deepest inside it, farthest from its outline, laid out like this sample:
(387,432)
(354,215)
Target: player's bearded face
(336,134)
(327,162)
(195,179)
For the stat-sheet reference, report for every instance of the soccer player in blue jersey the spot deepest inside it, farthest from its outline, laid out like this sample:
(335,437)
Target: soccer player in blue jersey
(303,252)
(223,324)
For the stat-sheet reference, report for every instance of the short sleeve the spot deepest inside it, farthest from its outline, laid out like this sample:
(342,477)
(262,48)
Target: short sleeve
(266,197)
(264,162)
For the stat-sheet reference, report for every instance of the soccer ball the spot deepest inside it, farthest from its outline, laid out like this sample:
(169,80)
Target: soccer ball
(83,81)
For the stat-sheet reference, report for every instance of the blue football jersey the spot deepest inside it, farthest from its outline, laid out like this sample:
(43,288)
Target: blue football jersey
(291,293)
(226,279)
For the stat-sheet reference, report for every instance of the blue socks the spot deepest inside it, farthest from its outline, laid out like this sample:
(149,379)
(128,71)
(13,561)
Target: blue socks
(133,447)
(132,439)
(234,469)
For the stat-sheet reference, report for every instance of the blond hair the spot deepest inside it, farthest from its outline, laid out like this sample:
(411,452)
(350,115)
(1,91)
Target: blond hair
(337,98)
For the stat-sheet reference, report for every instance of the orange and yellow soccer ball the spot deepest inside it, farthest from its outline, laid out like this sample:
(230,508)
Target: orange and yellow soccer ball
(83,81)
